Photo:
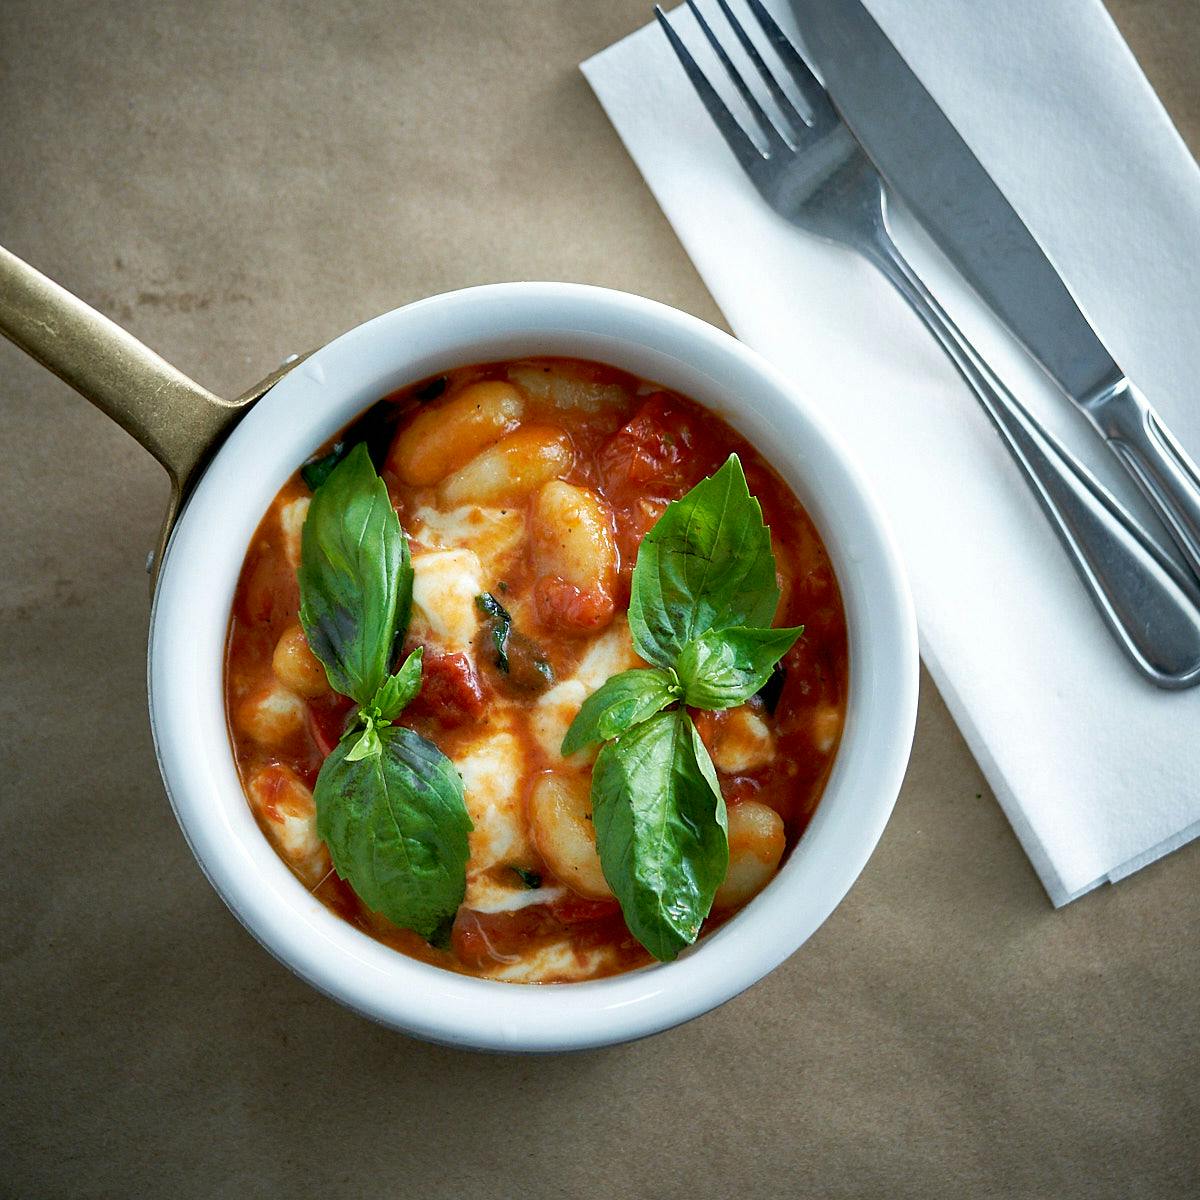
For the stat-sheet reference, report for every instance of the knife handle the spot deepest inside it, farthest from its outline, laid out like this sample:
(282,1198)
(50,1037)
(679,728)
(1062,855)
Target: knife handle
(1145,599)
(1135,433)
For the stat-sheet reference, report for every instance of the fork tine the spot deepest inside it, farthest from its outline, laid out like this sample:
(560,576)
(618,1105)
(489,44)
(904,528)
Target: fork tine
(786,107)
(739,141)
(773,136)
(809,85)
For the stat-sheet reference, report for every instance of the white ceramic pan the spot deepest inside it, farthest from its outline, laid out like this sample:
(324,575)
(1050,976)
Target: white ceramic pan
(228,459)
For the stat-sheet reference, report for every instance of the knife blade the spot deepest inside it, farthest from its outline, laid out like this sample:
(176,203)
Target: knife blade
(927,163)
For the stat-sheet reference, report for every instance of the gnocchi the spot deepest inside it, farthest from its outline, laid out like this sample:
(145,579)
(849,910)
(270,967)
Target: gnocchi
(741,741)
(565,389)
(826,727)
(286,807)
(296,666)
(271,715)
(447,434)
(573,544)
(756,843)
(560,817)
(514,467)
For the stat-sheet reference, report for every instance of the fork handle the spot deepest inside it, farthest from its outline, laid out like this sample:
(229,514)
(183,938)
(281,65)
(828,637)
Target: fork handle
(1148,603)
(1160,465)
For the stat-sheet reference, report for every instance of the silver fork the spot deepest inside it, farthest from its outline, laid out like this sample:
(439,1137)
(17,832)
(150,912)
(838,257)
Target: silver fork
(817,176)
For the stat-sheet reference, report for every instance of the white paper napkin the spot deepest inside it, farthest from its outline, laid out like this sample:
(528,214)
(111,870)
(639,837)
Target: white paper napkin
(1098,772)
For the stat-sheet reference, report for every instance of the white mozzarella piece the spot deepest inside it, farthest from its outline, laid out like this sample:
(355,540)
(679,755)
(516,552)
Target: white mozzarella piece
(271,715)
(485,894)
(493,534)
(493,770)
(743,742)
(297,836)
(552,717)
(558,961)
(291,523)
(445,586)
(610,654)
(826,727)
(286,804)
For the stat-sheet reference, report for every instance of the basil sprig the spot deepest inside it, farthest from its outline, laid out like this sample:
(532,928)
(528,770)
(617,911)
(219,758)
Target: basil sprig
(396,827)
(706,564)
(375,428)
(390,701)
(355,577)
(500,626)
(725,667)
(660,826)
(389,803)
(620,703)
(703,596)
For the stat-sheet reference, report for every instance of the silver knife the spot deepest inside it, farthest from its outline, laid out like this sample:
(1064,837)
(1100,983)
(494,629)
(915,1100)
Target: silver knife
(924,159)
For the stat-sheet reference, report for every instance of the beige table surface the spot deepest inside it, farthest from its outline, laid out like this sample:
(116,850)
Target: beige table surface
(236,181)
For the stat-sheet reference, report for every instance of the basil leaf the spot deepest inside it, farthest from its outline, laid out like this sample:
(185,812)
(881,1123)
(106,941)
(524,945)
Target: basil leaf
(531,879)
(771,692)
(725,667)
(660,830)
(374,428)
(355,577)
(396,826)
(500,624)
(388,703)
(398,690)
(317,470)
(619,703)
(705,564)
(518,658)
(367,745)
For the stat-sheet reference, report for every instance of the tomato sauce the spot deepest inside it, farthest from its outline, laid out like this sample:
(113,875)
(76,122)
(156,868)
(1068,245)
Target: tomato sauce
(635,447)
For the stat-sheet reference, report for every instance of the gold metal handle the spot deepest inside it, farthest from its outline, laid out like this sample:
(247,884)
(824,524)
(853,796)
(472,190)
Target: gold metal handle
(177,420)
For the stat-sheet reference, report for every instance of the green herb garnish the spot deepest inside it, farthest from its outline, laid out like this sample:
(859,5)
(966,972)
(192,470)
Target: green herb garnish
(389,803)
(374,429)
(396,827)
(706,564)
(620,703)
(660,828)
(517,657)
(531,879)
(355,578)
(703,597)
(316,471)
(500,625)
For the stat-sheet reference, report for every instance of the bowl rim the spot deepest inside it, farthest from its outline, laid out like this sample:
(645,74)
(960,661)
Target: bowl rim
(321,395)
